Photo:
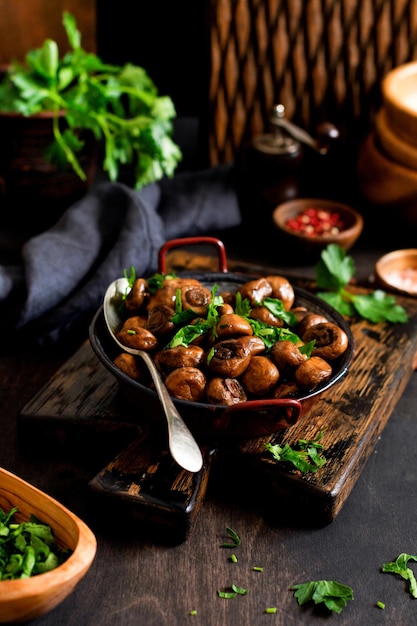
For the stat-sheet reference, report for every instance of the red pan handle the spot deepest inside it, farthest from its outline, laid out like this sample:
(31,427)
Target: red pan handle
(256,418)
(191,241)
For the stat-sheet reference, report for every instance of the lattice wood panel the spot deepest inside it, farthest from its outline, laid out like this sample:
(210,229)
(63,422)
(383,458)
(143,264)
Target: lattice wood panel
(322,59)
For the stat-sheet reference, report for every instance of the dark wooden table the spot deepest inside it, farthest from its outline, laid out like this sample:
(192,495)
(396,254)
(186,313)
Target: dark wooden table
(143,578)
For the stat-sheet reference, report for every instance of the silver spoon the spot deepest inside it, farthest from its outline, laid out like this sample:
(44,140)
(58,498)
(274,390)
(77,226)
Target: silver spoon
(182,445)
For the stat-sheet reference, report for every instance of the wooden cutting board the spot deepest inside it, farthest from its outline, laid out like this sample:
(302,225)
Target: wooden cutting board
(82,402)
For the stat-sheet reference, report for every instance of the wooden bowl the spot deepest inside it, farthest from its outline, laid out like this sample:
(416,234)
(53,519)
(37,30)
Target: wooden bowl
(26,599)
(382,180)
(394,146)
(399,95)
(310,247)
(397,271)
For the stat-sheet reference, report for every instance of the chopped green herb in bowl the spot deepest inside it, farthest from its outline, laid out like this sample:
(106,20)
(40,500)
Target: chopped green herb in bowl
(45,550)
(27,548)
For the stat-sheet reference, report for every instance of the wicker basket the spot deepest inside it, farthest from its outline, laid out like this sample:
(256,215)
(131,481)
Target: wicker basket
(323,59)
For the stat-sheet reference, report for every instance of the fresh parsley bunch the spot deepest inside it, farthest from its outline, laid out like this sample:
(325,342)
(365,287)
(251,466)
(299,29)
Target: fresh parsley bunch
(334,271)
(119,105)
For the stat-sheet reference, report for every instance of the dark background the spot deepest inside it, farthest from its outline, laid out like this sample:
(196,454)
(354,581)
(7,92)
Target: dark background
(170,40)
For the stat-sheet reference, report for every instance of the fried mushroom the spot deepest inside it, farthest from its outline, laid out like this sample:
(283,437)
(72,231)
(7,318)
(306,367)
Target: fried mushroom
(137,297)
(286,390)
(186,383)
(134,335)
(312,372)
(256,290)
(166,294)
(262,314)
(286,355)
(307,321)
(282,290)
(232,325)
(129,365)
(229,358)
(171,359)
(159,320)
(330,340)
(227,391)
(195,297)
(254,343)
(260,377)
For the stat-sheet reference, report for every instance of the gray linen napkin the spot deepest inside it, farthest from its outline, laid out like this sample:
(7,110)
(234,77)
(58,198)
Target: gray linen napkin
(66,269)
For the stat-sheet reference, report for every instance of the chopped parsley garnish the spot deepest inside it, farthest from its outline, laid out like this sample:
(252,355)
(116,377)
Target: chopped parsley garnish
(306,455)
(332,594)
(187,334)
(334,271)
(276,307)
(156,281)
(400,567)
(131,277)
(233,592)
(271,334)
(27,548)
(234,536)
(242,306)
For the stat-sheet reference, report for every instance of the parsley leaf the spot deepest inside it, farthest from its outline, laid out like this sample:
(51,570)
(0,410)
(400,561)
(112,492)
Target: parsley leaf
(235,591)
(276,307)
(305,456)
(334,595)
(131,277)
(271,334)
(156,281)
(334,271)
(399,566)
(242,306)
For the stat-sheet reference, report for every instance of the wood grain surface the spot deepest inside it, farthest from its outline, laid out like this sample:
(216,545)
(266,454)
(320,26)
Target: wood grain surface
(82,397)
(138,579)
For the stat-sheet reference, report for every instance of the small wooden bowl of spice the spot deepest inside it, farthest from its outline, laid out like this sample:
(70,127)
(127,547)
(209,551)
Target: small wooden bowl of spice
(397,271)
(311,224)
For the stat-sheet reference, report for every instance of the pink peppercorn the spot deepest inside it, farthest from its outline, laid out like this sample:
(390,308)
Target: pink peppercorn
(316,222)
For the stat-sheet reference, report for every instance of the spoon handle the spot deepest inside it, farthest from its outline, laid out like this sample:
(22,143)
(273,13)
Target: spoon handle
(183,447)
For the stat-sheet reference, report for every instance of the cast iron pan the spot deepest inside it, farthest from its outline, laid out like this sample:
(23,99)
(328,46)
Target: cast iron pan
(209,422)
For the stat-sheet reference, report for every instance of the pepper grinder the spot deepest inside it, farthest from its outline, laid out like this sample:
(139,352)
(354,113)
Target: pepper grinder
(273,166)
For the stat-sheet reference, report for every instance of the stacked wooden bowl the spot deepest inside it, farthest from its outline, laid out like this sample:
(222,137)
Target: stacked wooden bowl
(387,165)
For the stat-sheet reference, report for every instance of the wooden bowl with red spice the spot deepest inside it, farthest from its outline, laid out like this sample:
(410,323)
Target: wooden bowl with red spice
(309,225)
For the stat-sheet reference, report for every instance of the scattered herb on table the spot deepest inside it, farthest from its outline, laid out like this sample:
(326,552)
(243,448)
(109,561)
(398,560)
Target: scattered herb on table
(306,455)
(27,548)
(380,605)
(334,271)
(235,537)
(233,592)
(400,567)
(334,595)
